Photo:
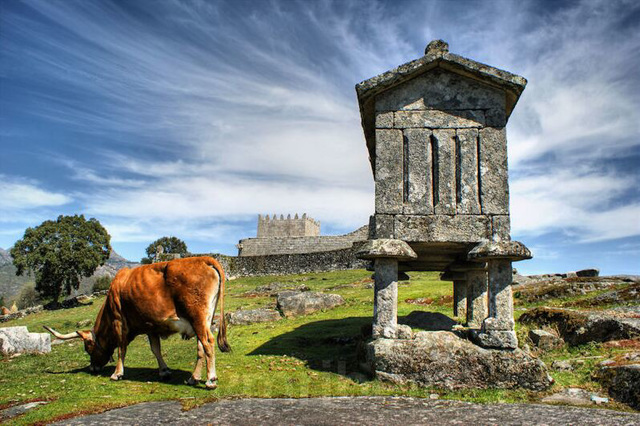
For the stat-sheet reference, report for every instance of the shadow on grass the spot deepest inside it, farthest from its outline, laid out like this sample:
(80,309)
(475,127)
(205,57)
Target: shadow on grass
(135,374)
(339,345)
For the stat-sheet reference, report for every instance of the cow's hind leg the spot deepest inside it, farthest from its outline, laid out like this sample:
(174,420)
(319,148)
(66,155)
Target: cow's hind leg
(208,341)
(195,377)
(154,342)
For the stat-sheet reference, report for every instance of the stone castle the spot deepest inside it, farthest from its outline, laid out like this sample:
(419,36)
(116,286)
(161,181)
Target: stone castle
(297,235)
(289,227)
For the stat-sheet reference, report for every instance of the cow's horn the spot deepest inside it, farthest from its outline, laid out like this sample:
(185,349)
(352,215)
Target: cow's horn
(74,335)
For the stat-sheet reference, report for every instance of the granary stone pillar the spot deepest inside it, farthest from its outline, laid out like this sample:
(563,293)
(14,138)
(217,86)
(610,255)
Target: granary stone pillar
(385,253)
(460,298)
(474,277)
(497,330)
(460,291)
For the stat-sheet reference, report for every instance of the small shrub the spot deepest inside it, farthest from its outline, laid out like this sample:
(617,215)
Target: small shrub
(102,283)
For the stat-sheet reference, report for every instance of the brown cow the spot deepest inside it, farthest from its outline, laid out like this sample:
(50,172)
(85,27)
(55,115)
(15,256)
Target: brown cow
(158,300)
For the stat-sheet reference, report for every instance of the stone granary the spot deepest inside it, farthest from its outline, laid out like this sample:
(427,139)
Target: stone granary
(435,131)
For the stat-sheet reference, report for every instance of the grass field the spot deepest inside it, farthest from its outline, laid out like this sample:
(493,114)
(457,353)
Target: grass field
(307,356)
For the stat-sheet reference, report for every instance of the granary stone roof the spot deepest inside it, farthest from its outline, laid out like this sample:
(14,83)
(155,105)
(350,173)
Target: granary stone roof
(436,55)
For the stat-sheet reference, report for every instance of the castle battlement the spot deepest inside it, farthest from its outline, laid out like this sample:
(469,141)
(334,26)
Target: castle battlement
(273,227)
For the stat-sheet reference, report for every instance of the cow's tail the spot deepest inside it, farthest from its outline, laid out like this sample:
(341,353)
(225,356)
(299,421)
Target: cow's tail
(223,344)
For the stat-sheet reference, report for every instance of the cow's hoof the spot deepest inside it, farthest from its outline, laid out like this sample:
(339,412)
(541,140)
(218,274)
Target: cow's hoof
(165,374)
(115,377)
(211,384)
(192,381)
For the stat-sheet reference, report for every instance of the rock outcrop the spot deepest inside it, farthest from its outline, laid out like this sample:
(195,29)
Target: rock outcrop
(446,360)
(579,327)
(295,303)
(244,317)
(18,340)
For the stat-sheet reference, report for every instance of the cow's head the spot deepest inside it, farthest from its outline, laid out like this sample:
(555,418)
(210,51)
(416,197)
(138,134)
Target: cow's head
(99,355)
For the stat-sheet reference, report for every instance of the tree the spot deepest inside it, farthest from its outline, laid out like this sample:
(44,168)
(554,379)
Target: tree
(102,283)
(171,245)
(59,253)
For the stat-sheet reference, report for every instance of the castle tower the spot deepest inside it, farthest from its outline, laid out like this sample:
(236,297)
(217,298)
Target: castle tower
(287,227)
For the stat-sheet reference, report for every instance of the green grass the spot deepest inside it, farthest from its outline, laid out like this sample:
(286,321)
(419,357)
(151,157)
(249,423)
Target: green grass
(307,356)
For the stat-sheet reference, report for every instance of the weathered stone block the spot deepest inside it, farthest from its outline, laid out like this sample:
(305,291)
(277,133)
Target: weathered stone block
(477,304)
(419,173)
(501,228)
(445,171)
(17,340)
(494,177)
(545,340)
(467,188)
(495,117)
(497,339)
(436,119)
(442,228)
(443,359)
(384,120)
(293,303)
(381,226)
(389,183)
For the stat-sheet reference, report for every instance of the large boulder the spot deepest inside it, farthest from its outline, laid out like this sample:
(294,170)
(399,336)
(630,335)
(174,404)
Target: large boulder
(623,383)
(18,340)
(446,360)
(243,317)
(579,327)
(296,303)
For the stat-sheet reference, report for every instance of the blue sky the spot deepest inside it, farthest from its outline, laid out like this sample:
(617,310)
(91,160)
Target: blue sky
(189,118)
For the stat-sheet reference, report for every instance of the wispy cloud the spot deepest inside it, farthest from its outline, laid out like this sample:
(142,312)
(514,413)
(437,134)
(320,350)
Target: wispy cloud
(24,194)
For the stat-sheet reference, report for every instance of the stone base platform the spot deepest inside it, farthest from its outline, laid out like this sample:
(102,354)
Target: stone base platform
(446,360)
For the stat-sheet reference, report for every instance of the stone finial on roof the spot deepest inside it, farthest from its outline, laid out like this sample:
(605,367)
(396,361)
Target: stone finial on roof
(436,47)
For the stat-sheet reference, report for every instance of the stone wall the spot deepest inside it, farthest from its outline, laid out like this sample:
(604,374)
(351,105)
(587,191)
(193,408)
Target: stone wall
(284,264)
(300,245)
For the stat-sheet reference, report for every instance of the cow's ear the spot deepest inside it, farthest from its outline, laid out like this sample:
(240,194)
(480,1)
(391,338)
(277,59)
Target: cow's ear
(85,335)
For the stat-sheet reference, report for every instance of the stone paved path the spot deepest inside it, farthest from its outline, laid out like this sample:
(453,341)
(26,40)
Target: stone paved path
(356,411)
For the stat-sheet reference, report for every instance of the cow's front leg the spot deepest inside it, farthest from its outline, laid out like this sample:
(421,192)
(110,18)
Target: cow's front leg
(122,351)
(197,372)
(154,342)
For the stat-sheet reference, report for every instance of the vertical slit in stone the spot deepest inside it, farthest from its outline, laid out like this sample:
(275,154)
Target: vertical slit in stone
(405,168)
(435,182)
(478,171)
(458,171)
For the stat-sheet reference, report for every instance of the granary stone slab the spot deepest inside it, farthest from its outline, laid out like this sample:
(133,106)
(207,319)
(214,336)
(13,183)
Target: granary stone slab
(17,340)
(498,324)
(440,89)
(381,226)
(388,175)
(419,199)
(500,228)
(445,165)
(496,339)
(445,360)
(468,190)
(433,118)
(489,250)
(384,120)
(494,175)
(442,228)
(385,248)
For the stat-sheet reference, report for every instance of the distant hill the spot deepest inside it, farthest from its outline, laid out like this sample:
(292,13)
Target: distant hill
(10,284)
